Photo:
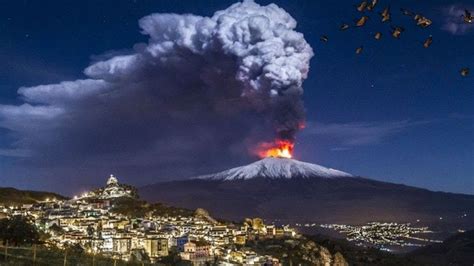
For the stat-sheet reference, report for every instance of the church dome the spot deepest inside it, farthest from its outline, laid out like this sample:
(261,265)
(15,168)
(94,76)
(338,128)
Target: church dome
(112,180)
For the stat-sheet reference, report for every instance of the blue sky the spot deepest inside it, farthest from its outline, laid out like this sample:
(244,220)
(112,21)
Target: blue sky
(397,112)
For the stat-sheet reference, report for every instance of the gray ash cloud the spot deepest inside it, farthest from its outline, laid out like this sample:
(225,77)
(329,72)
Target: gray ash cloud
(198,93)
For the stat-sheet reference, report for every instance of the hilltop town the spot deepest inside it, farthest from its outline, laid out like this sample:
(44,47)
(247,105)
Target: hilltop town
(113,222)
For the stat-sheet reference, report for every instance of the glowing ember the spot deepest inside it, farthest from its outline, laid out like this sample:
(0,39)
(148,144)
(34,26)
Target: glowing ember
(279,149)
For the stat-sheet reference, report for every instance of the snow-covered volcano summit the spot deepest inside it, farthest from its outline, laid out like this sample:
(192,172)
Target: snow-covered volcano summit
(277,168)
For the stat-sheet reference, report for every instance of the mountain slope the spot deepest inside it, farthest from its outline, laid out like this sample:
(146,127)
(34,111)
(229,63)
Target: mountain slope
(12,196)
(344,199)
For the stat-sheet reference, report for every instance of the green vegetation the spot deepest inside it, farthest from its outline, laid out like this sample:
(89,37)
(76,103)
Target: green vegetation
(18,230)
(53,256)
(138,208)
(12,196)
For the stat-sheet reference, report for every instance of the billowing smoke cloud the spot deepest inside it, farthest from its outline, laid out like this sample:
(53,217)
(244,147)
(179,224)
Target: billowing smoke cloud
(200,91)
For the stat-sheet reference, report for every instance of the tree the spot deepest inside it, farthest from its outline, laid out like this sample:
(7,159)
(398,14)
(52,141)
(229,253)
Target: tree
(173,258)
(74,249)
(90,230)
(18,230)
(139,255)
(56,229)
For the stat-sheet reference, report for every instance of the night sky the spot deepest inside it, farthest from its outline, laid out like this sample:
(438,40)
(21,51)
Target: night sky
(397,112)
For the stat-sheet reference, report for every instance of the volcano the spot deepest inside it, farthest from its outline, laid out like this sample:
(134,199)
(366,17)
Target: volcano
(276,168)
(287,190)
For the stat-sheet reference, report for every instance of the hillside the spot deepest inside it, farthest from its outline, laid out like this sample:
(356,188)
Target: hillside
(456,250)
(293,191)
(138,208)
(13,196)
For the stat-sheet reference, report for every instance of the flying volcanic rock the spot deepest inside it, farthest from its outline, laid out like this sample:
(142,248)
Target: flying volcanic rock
(385,14)
(361,7)
(406,12)
(427,43)
(362,21)
(397,31)
(344,26)
(423,22)
(378,36)
(372,5)
(467,17)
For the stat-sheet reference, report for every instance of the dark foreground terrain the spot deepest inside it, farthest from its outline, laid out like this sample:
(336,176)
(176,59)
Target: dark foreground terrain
(456,250)
(13,196)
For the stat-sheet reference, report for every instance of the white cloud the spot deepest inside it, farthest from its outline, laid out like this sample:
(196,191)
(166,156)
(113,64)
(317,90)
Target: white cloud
(64,92)
(14,153)
(26,117)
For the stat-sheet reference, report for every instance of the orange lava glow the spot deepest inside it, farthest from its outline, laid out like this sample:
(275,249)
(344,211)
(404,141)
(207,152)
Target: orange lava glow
(279,149)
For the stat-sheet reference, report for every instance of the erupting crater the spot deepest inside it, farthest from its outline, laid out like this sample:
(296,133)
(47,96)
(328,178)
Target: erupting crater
(278,149)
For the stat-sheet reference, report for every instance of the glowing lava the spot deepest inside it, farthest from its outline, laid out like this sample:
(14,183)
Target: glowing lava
(279,149)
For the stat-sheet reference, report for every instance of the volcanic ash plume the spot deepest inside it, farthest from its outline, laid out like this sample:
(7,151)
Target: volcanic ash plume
(199,84)
(267,57)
